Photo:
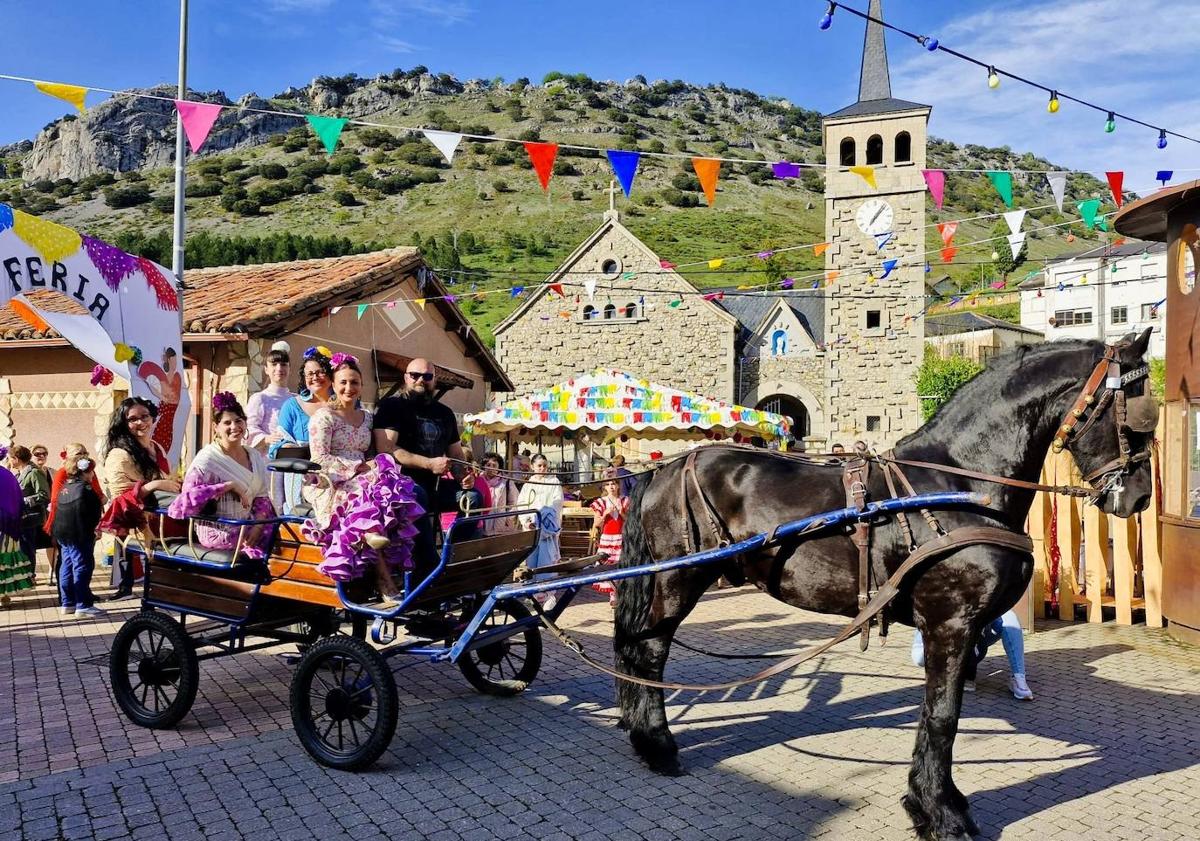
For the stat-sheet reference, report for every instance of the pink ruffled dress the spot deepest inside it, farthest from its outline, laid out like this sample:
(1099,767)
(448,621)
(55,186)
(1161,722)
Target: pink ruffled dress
(347,504)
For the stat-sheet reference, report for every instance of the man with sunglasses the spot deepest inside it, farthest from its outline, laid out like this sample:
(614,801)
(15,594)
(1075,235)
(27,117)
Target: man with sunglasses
(422,435)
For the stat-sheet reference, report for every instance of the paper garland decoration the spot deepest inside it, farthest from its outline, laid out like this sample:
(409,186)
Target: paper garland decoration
(1002,181)
(783,169)
(164,290)
(882,239)
(624,166)
(53,241)
(1088,210)
(948,253)
(888,267)
(542,156)
(6,218)
(665,264)
(197,119)
(1164,175)
(708,170)
(947,230)
(557,288)
(1115,180)
(866,173)
(420,302)
(362,308)
(1015,242)
(114,264)
(1014,218)
(999,284)
(68,93)
(328,129)
(1058,186)
(445,141)
(935,180)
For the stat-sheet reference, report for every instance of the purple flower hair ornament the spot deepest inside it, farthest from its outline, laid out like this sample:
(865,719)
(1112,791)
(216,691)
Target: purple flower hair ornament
(224,401)
(339,358)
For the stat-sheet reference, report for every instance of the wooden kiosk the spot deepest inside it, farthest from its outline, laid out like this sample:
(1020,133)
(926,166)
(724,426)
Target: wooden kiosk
(1172,215)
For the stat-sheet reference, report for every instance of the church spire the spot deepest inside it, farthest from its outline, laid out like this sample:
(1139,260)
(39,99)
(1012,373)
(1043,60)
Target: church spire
(874,81)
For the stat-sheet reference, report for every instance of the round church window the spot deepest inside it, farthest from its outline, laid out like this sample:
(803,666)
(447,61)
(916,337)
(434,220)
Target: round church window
(610,268)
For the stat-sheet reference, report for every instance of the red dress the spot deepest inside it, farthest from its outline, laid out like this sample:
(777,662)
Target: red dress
(612,521)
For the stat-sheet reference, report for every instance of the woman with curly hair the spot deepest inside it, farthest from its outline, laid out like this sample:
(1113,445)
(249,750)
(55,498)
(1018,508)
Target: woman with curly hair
(229,478)
(316,389)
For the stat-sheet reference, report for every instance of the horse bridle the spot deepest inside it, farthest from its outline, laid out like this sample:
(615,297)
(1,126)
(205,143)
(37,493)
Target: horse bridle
(1088,408)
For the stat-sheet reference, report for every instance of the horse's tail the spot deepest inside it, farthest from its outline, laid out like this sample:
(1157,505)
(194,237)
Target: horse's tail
(634,594)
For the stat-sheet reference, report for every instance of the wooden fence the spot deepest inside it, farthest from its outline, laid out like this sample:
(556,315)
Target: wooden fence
(1105,562)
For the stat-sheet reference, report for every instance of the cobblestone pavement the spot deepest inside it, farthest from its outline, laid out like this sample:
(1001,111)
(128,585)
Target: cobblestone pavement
(1110,747)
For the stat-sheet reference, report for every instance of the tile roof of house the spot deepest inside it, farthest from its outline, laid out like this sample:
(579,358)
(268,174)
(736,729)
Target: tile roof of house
(969,322)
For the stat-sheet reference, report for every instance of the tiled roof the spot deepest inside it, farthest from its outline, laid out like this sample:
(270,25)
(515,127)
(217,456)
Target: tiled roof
(1129,248)
(808,306)
(969,322)
(876,106)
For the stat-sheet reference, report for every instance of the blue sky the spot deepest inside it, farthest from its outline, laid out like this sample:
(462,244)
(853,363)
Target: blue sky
(1132,55)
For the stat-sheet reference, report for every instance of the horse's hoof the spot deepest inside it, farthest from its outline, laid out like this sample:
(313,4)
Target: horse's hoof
(667,768)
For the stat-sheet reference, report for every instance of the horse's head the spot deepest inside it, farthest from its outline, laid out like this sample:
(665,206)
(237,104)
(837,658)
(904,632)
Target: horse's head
(1110,428)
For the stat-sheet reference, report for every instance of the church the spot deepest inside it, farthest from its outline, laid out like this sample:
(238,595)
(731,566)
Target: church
(841,362)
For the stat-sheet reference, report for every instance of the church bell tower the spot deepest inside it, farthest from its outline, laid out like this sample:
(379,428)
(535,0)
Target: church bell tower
(874,334)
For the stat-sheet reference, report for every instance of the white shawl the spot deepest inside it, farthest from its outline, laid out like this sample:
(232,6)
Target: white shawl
(213,462)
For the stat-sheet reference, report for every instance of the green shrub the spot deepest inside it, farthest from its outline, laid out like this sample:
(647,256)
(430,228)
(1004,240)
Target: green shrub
(164,204)
(938,379)
(562,167)
(206,187)
(246,207)
(43,185)
(268,195)
(501,186)
(274,172)
(345,198)
(377,138)
(118,197)
(231,195)
(577,195)
(233,164)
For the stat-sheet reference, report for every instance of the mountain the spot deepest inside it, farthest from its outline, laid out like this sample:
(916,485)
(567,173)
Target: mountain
(266,175)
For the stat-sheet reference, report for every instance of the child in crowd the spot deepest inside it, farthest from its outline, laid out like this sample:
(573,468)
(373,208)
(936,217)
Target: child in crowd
(77,513)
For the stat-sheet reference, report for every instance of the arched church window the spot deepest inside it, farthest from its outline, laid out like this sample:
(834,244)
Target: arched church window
(846,152)
(874,150)
(589,312)
(903,147)
(631,310)
(779,342)
(610,311)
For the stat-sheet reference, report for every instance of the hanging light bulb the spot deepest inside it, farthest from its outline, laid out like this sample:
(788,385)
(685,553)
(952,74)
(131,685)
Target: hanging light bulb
(827,18)
(1110,125)
(993,78)
(995,256)
(1162,138)
(929,42)
(1052,106)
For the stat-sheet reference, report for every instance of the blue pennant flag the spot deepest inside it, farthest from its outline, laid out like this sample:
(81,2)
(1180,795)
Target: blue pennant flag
(882,239)
(888,266)
(927,269)
(624,166)
(516,291)
(1164,175)
(6,217)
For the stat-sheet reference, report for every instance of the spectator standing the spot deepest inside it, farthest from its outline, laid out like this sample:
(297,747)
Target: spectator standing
(1007,629)
(544,494)
(16,570)
(609,512)
(72,452)
(504,495)
(263,408)
(622,475)
(77,510)
(35,491)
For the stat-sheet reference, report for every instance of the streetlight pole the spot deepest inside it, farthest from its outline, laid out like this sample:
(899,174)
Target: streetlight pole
(180,160)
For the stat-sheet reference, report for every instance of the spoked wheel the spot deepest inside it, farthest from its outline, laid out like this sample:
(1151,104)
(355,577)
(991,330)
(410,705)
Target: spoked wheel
(506,667)
(154,670)
(344,703)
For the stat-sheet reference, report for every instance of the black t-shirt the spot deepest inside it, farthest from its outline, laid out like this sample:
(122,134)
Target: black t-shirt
(424,428)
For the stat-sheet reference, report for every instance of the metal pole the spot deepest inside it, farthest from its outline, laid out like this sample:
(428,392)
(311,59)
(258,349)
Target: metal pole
(180,159)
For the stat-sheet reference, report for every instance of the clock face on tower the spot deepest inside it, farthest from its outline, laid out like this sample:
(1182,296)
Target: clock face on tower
(874,217)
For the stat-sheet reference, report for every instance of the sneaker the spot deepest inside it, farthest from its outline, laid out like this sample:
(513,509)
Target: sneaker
(1020,689)
(969,686)
(66,611)
(550,603)
(89,613)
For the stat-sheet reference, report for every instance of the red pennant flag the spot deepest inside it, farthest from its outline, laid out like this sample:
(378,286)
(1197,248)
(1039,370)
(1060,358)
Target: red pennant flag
(715,296)
(542,155)
(1115,180)
(666,264)
(707,170)
(557,288)
(948,253)
(947,230)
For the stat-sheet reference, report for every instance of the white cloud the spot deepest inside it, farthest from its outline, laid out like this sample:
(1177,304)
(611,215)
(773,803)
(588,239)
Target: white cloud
(388,12)
(396,45)
(1111,52)
(285,6)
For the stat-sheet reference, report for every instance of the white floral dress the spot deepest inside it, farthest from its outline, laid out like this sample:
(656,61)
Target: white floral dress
(339,447)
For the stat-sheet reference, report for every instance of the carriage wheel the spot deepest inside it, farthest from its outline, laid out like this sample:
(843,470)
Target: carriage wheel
(344,703)
(154,670)
(506,667)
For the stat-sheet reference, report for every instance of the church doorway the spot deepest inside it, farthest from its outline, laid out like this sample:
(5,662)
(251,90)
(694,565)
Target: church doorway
(786,404)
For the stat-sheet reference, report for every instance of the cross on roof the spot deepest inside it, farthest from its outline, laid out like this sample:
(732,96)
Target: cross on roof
(612,200)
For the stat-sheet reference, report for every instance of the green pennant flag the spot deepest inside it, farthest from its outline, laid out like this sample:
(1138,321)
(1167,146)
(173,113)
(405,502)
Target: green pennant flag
(1102,223)
(1088,210)
(361,309)
(329,129)
(1002,181)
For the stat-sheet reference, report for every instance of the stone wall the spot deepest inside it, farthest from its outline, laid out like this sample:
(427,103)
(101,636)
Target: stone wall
(689,346)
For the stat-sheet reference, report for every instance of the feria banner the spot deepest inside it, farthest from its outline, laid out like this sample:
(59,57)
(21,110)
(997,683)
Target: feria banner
(125,315)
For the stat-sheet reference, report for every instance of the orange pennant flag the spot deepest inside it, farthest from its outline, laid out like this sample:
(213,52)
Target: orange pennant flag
(820,248)
(707,170)
(28,315)
(948,253)
(830,277)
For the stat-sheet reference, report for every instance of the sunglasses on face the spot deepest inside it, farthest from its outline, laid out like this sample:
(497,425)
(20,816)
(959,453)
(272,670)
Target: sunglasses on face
(418,375)
(40,455)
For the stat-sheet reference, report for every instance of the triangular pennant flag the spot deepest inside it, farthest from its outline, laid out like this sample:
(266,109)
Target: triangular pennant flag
(716,264)
(882,239)
(947,230)
(955,301)
(6,218)
(707,170)
(997,284)
(53,241)
(948,253)
(888,267)
(334,310)
(935,180)
(1102,223)
(1164,175)
(1014,218)
(1115,180)
(197,119)
(68,93)
(866,173)
(1088,210)
(329,129)
(542,156)
(557,288)
(114,264)
(830,277)
(783,169)
(820,248)
(445,141)
(1002,181)
(1015,242)
(624,166)
(787,283)
(665,264)
(675,304)
(589,286)
(362,308)
(1058,187)
(420,302)
(516,291)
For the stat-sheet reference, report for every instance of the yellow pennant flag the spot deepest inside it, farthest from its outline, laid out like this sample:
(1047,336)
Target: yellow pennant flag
(69,93)
(420,302)
(53,241)
(715,264)
(867,173)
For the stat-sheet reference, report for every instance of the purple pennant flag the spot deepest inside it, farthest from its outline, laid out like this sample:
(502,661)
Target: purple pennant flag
(114,264)
(783,169)
(787,283)
(452,299)
(765,255)
(6,217)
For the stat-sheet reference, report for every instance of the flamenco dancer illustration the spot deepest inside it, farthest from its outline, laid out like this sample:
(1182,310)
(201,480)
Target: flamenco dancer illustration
(166,386)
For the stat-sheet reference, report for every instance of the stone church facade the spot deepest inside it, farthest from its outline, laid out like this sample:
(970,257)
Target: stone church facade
(841,362)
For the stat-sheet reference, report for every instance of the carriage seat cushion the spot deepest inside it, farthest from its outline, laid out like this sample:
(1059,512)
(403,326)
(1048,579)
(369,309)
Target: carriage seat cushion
(195,554)
(293,465)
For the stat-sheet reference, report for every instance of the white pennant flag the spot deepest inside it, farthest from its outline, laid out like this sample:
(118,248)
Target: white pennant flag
(447,142)
(1014,218)
(590,286)
(1058,186)
(1015,241)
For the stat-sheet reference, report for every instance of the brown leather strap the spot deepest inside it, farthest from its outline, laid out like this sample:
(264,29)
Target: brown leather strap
(855,474)
(1066,490)
(950,542)
(716,526)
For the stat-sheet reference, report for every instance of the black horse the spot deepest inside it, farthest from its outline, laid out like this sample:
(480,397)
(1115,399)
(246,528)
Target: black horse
(1003,423)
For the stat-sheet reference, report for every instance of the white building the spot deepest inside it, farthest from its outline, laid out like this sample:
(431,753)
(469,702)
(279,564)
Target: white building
(974,336)
(1101,294)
